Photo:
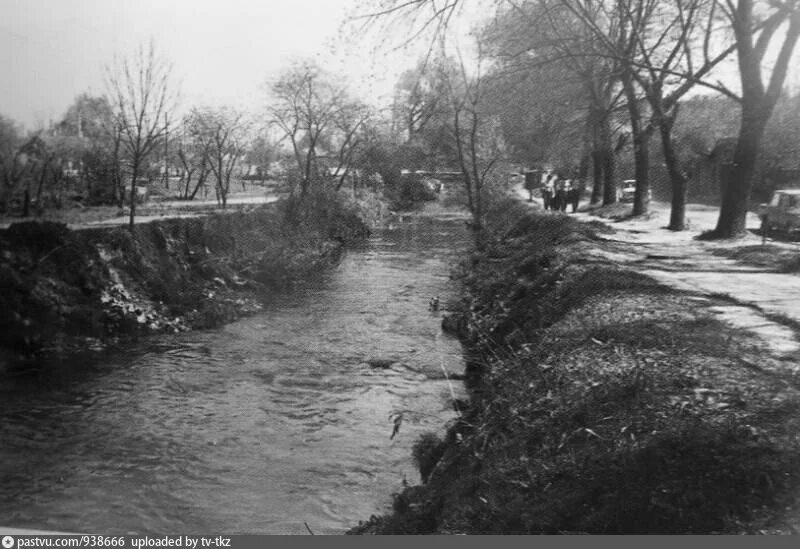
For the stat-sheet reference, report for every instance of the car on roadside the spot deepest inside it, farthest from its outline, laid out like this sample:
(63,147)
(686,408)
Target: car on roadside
(782,212)
(628,191)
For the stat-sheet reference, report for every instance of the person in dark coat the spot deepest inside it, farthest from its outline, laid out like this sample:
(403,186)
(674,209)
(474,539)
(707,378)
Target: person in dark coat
(574,194)
(562,186)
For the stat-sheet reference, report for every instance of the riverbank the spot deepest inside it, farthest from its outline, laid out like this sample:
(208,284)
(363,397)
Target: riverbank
(603,402)
(276,423)
(65,289)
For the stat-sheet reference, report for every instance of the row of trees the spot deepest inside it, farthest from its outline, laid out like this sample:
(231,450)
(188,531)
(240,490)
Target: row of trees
(580,81)
(104,144)
(579,84)
(314,128)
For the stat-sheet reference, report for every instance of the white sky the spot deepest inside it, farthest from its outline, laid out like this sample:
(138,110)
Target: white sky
(223,50)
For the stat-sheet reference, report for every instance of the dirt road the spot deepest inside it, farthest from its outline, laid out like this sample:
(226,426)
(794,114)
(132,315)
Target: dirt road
(104,216)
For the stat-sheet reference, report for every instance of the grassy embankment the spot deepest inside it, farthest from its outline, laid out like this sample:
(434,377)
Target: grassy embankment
(781,259)
(63,288)
(602,402)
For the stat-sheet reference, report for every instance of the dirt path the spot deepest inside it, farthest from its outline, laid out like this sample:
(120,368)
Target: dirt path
(760,300)
(177,208)
(105,216)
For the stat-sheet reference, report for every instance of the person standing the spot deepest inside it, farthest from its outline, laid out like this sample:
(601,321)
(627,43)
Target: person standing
(548,191)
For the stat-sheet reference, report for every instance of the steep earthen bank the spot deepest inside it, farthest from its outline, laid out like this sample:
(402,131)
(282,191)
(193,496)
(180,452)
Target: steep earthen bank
(63,288)
(601,402)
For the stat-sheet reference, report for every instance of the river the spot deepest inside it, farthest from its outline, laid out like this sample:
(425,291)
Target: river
(262,426)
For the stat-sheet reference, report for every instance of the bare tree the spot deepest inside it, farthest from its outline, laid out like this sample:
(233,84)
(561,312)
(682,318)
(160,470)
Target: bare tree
(140,92)
(664,50)
(320,120)
(193,159)
(303,110)
(756,27)
(475,132)
(221,135)
(348,139)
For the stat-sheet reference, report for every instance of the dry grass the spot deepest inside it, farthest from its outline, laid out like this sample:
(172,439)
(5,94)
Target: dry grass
(769,256)
(607,404)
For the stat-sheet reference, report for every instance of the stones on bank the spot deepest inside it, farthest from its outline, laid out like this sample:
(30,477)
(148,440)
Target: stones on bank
(64,289)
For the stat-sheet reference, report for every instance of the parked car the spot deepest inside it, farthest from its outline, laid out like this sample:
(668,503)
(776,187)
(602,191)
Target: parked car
(628,191)
(782,212)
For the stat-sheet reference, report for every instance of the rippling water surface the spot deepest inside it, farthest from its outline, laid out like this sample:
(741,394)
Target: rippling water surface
(267,423)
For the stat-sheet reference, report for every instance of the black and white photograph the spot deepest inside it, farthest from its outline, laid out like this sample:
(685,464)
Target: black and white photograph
(398,267)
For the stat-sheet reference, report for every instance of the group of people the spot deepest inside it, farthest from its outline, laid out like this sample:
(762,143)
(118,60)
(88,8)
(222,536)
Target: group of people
(558,191)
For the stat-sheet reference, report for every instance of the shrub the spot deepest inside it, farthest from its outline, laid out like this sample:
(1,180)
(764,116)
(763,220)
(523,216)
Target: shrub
(408,192)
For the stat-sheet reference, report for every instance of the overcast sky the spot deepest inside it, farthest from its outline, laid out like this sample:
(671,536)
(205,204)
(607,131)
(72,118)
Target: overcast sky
(223,50)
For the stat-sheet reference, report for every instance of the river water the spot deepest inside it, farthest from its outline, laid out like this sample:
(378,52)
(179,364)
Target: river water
(268,423)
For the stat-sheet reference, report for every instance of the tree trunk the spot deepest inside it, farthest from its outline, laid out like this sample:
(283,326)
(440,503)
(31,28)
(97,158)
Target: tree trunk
(115,171)
(678,183)
(607,161)
(677,178)
(597,176)
(119,182)
(478,204)
(609,184)
(641,153)
(738,179)
(641,148)
(42,177)
(26,203)
(586,157)
(677,214)
(200,182)
(133,190)
(593,133)
(120,189)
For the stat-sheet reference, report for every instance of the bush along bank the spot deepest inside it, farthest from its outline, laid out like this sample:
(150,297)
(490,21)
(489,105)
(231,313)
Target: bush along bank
(64,289)
(601,403)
